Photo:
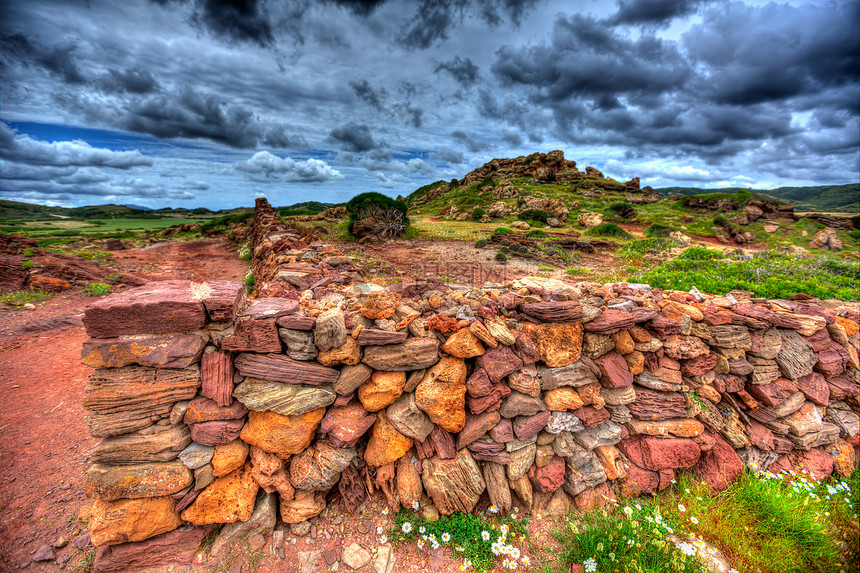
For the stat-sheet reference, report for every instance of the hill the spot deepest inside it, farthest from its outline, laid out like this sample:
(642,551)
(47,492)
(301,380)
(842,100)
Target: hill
(823,198)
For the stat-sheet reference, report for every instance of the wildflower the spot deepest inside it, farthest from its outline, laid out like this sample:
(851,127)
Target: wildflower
(434,544)
(407,527)
(493,509)
(540,516)
(420,544)
(681,508)
(599,547)
(638,506)
(512,565)
(694,520)
(514,552)
(504,528)
(485,535)
(686,548)
(628,511)
(422,530)
(590,565)
(630,543)
(446,537)
(526,561)
(383,539)
(385,511)
(379,531)
(415,505)
(496,548)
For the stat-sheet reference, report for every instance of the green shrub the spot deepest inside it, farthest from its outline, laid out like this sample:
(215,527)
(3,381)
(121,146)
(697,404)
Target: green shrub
(658,230)
(855,234)
(392,213)
(638,248)
(501,257)
(96,289)
(19,298)
(249,281)
(488,180)
(720,221)
(27,264)
(226,221)
(546,268)
(608,230)
(536,234)
(621,209)
(28,252)
(534,215)
(578,271)
(699,254)
(480,244)
(855,220)
(503,231)
(454,183)
(94,255)
(245,252)
(477,213)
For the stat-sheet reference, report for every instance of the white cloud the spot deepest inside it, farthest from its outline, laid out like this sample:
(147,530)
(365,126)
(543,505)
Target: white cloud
(265,167)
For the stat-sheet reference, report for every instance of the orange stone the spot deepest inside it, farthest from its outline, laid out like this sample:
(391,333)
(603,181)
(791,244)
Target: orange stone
(229,457)
(624,343)
(279,434)
(562,399)
(463,344)
(349,353)
(111,483)
(226,500)
(442,394)
(635,362)
(125,520)
(685,428)
(380,304)
(851,327)
(382,389)
(610,458)
(386,445)
(559,343)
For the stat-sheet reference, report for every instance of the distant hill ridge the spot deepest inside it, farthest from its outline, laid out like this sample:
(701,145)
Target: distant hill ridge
(824,198)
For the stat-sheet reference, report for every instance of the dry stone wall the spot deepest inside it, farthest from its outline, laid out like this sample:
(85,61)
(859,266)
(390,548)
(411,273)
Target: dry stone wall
(218,408)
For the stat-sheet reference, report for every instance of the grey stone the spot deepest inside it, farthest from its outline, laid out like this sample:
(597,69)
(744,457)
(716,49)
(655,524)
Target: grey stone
(408,419)
(196,456)
(262,521)
(300,343)
(285,399)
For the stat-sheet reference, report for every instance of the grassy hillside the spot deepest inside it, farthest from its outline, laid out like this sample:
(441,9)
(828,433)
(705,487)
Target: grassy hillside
(824,198)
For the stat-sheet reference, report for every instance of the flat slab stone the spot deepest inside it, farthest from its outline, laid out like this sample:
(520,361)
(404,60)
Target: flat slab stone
(279,368)
(414,354)
(223,299)
(271,308)
(285,399)
(177,351)
(154,308)
(374,337)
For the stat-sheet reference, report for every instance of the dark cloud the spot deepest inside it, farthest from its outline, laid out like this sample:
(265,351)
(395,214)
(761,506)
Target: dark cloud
(496,12)
(461,69)
(354,137)
(472,144)
(652,12)
(366,93)
(513,138)
(235,20)
(448,155)
(136,81)
(57,60)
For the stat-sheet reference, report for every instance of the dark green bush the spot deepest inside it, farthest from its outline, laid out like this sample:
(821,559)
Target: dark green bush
(481,244)
(699,254)
(501,257)
(379,206)
(477,213)
(536,234)
(488,180)
(503,231)
(534,215)
(226,221)
(609,230)
(720,220)
(658,230)
(454,183)
(855,234)
(621,209)
(855,220)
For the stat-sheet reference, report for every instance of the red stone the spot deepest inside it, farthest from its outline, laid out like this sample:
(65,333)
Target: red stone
(548,478)
(174,547)
(271,308)
(499,362)
(526,348)
(772,394)
(202,409)
(345,425)
(554,311)
(815,388)
(224,299)
(760,436)
(614,372)
(259,336)
(216,433)
(443,324)
(657,454)
(842,388)
(296,322)
(476,427)
(154,308)
(216,373)
(699,365)
(720,466)
(503,432)
(820,340)
(830,362)
(443,443)
(666,477)
(527,426)
(814,462)
(375,337)
(663,326)
(611,321)
(279,368)
(591,416)
(639,481)
(478,384)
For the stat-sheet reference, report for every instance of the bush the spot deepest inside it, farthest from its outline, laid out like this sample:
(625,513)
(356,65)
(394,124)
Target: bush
(454,183)
(249,280)
(536,234)
(621,209)
(700,254)
(501,257)
(658,230)
(855,234)
(488,180)
(503,231)
(534,215)
(226,221)
(608,230)
(96,289)
(477,213)
(27,264)
(855,220)
(481,243)
(391,213)
(720,221)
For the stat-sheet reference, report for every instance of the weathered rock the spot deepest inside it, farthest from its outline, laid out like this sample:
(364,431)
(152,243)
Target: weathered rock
(499,362)
(685,347)
(414,354)
(177,351)
(548,478)
(518,404)
(174,547)
(279,434)
(270,473)
(611,321)
(202,409)
(159,443)
(611,462)
(592,416)
(500,332)
(229,457)
(576,375)
(285,399)
(345,425)
(582,475)
(559,344)
(216,376)
(656,405)
(253,336)
(196,456)
(729,336)
(815,388)
(604,434)
(805,420)
(349,353)
(826,239)
(380,304)
(262,521)
(127,520)
(463,344)
(618,397)
(300,343)
(318,467)
(154,308)
(497,486)
(130,398)
(279,368)
(382,389)
(478,384)
(111,483)
(521,460)
(596,345)
(351,377)
(373,337)
(554,311)
(828,434)
(562,399)
(527,426)
(442,393)
(476,427)
(408,419)
(330,330)
(564,422)
(657,454)
(814,462)
(796,357)
(302,507)
(386,444)
(455,484)
(263,308)
(684,428)
(525,380)
(228,499)
(614,372)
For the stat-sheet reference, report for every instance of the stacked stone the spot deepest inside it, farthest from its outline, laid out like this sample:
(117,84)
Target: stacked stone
(552,393)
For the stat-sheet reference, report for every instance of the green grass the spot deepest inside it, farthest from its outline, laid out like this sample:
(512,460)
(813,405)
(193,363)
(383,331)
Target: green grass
(635,538)
(578,271)
(769,275)
(546,268)
(96,289)
(250,281)
(94,255)
(19,298)
(483,543)
(608,230)
(657,230)
(636,249)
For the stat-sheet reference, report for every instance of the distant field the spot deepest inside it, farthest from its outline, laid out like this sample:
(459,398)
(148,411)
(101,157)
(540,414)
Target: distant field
(100,225)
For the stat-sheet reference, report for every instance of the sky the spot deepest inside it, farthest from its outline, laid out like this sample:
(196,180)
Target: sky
(189,103)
